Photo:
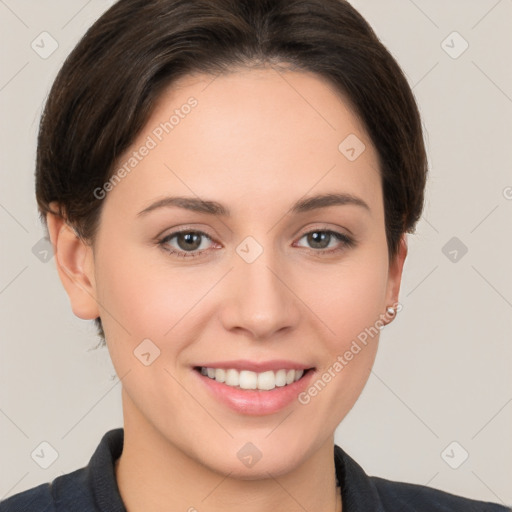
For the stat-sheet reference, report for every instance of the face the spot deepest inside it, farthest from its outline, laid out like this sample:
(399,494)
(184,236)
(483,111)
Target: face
(248,274)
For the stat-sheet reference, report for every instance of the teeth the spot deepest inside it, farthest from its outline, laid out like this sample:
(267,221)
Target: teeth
(266,380)
(246,379)
(281,378)
(232,378)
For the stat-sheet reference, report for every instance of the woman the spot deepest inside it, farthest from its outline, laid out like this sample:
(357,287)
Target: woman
(228,186)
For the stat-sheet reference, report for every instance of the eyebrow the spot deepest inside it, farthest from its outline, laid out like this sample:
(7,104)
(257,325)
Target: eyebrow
(215,208)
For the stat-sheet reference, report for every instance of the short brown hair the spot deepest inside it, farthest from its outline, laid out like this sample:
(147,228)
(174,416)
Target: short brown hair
(109,84)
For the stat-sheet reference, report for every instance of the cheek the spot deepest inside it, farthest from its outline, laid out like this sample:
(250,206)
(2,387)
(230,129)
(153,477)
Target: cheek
(350,311)
(145,297)
(139,296)
(347,298)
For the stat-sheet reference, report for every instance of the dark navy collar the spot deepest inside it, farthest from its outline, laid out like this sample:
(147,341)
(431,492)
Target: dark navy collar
(102,472)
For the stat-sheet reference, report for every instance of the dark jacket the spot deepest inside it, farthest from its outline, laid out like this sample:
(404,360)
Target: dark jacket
(94,489)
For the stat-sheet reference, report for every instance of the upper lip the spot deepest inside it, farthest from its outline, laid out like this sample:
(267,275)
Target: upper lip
(257,366)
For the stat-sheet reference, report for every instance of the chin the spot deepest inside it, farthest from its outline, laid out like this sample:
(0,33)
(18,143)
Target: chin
(256,459)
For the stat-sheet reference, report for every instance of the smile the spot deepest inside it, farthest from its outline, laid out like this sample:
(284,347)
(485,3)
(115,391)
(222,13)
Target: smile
(251,387)
(246,379)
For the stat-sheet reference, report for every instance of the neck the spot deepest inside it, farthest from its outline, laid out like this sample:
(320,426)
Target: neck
(154,475)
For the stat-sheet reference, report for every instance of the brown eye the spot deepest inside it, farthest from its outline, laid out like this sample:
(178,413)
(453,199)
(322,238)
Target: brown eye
(188,241)
(185,243)
(319,239)
(325,242)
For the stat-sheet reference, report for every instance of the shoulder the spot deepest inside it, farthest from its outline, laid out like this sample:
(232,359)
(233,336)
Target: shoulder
(66,492)
(37,499)
(412,497)
(361,492)
(87,489)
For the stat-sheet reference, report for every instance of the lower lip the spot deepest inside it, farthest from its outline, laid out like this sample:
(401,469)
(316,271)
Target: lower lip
(256,402)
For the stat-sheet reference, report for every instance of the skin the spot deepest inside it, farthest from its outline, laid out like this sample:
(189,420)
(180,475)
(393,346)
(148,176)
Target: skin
(257,141)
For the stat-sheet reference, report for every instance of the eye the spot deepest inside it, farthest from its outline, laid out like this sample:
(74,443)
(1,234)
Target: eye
(188,243)
(319,240)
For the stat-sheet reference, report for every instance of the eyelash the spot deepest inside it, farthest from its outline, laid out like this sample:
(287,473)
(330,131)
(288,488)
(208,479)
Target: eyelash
(347,243)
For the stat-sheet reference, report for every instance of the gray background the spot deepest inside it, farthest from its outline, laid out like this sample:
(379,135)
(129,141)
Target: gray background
(443,371)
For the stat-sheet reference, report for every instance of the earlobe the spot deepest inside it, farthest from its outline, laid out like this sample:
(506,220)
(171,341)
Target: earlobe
(75,266)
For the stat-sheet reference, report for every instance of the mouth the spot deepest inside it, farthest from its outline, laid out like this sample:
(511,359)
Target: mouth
(254,388)
(251,380)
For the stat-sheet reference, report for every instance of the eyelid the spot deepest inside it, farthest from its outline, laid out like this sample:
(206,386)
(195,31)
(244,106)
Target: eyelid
(327,227)
(320,226)
(342,231)
(182,228)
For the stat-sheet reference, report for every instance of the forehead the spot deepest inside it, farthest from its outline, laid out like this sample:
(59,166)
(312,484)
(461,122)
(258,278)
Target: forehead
(250,132)
(249,98)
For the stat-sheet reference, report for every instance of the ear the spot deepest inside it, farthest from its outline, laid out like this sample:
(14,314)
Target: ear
(75,265)
(395,273)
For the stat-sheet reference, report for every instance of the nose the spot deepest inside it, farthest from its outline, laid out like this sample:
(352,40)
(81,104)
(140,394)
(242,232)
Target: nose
(259,298)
